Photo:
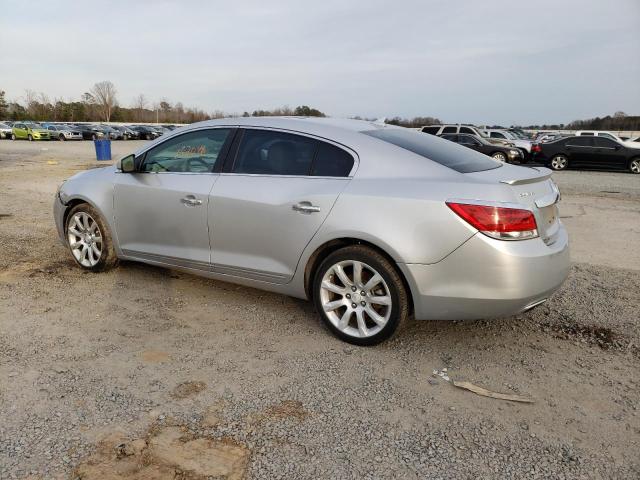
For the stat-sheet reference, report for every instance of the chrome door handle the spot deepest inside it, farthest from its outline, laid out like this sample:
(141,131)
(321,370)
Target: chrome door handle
(191,201)
(305,207)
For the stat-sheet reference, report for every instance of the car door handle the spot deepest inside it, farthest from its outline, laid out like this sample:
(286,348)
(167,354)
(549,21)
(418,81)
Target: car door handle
(191,201)
(305,207)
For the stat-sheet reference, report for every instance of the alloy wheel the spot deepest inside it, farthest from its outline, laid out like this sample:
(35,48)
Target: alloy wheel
(85,239)
(355,298)
(559,162)
(501,157)
(635,166)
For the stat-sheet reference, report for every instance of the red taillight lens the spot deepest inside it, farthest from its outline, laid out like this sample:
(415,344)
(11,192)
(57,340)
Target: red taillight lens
(535,148)
(498,222)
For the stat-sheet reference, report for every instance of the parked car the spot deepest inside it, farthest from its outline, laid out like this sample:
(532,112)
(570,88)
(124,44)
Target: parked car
(112,133)
(90,132)
(586,151)
(145,132)
(29,131)
(523,145)
(370,222)
(467,129)
(636,139)
(612,136)
(5,130)
(63,132)
(127,133)
(482,145)
(542,137)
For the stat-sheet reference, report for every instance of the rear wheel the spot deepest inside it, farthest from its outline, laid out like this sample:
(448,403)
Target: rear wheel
(634,165)
(360,295)
(13,136)
(559,162)
(499,156)
(30,138)
(61,137)
(89,239)
(94,137)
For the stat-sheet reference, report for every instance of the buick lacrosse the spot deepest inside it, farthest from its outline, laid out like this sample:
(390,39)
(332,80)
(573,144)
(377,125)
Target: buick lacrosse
(373,223)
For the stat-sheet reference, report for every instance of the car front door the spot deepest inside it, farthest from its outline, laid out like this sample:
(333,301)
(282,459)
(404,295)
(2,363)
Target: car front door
(20,130)
(161,210)
(471,142)
(609,154)
(275,192)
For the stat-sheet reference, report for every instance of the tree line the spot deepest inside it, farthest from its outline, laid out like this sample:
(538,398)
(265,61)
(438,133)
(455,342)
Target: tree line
(617,122)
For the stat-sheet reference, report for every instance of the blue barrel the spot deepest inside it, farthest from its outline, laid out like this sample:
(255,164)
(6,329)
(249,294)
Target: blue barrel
(103,149)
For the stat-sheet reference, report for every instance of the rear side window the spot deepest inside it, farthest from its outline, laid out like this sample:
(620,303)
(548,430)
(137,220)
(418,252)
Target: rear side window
(585,141)
(449,130)
(431,130)
(467,130)
(587,133)
(331,161)
(268,152)
(448,154)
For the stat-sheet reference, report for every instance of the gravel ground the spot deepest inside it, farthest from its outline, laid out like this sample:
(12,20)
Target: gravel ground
(143,373)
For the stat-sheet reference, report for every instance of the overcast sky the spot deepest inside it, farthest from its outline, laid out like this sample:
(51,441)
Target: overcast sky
(489,61)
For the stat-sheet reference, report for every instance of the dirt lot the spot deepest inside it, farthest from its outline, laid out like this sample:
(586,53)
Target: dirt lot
(144,373)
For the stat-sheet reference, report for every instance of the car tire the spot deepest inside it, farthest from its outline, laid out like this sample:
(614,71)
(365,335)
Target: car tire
(86,231)
(559,162)
(13,136)
(61,138)
(499,156)
(94,137)
(30,138)
(147,137)
(377,310)
(634,165)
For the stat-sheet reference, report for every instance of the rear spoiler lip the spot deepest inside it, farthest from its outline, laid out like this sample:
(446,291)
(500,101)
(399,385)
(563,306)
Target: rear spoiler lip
(545,174)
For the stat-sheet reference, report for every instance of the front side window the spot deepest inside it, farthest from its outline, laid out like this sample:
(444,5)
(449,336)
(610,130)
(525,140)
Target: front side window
(601,141)
(431,130)
(497,135)
(468,140)
(449,130)
(467,130)
(607,135)
(195,152)
(268,152)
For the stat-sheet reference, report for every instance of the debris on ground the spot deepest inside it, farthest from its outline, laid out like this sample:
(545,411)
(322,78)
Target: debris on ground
(488,393)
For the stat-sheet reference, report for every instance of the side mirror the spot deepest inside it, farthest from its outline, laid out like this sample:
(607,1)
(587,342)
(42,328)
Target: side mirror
(127,164)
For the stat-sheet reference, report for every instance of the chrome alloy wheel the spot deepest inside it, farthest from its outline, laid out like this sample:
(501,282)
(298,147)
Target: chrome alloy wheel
(501,157)
(559,162)
(355,298)
(635,165)
(85,239)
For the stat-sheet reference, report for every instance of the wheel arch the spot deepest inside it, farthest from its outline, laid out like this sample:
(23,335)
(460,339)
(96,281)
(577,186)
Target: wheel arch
(73,202)
(327,248)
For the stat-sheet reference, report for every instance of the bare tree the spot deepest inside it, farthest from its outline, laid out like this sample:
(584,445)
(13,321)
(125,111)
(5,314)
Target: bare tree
(140,104)
(105,96)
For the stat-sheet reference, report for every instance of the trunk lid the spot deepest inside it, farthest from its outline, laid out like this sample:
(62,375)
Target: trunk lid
(534,190)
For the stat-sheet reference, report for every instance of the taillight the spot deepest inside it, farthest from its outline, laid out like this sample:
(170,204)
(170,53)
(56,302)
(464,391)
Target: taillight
(535,148)
(503,223)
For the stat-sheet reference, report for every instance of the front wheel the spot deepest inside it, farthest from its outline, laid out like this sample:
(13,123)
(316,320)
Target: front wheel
(634,166)
(94,137)
(360,295)
(559,162)
(13,136)
(61,138)
(89,239)
(30,138)
(499,156)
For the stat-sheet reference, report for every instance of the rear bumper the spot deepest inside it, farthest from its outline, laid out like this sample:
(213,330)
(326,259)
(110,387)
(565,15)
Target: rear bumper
(487,278)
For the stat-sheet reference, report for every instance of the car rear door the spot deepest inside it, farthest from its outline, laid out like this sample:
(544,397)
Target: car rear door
(161,210)
(275,192)
(580,150)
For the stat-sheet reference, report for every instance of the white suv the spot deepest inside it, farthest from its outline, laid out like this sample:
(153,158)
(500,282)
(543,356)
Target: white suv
(521,144)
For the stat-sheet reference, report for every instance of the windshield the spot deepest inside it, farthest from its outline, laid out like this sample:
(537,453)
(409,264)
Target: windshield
(446,153)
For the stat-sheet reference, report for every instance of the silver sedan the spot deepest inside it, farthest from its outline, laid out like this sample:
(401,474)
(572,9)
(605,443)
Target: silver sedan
(373,223)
